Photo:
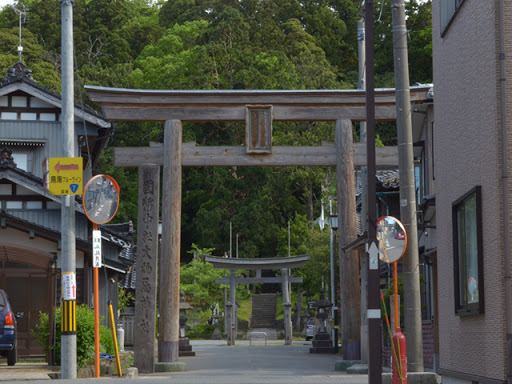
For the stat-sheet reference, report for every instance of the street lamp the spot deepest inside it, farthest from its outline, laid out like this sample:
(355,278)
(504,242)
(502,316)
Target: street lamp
(333,224)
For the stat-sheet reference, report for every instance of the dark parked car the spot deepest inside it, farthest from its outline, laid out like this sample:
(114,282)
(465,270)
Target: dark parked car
(8,329)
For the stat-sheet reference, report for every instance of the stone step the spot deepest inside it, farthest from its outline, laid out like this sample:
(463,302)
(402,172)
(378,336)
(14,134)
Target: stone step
(263,311)
(358,369)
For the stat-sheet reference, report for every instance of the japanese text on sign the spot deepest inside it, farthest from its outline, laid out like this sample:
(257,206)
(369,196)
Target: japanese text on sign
(65,175)
(68,286)
(96,249)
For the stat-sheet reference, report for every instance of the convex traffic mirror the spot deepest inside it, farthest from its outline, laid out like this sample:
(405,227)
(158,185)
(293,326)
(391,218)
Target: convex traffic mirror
(101,199)
(392,239)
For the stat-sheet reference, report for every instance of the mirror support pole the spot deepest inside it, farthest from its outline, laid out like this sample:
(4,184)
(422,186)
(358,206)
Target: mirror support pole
(395,296)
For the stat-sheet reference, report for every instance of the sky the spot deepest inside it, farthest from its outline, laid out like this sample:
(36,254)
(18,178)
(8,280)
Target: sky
(3,3)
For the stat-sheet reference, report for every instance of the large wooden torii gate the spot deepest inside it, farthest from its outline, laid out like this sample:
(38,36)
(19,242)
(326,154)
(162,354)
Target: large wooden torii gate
(258,109)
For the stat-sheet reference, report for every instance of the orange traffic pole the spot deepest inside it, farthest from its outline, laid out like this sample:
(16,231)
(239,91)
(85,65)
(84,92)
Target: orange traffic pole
(96,320)
(395,297)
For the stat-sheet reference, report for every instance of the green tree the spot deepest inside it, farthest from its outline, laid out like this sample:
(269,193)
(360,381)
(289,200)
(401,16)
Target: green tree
(197,281)
(102,41)
(419,25)
(313,69)
(309,240)
(42,71)
(181,11)
(419,42)
(44,22)
(333,24)
(220,44)
(158,65)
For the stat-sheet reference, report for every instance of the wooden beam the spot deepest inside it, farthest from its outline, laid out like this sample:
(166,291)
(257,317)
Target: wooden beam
(145,97)
(198,156)
(259,280)
(237,113)
(229,105)
(256,263)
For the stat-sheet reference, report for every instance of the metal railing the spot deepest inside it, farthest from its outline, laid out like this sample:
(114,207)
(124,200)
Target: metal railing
(258,335)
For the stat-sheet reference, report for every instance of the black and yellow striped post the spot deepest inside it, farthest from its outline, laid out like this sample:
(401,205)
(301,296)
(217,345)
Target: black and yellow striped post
(68,317)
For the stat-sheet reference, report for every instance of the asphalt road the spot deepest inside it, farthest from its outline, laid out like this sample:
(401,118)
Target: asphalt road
(217,363)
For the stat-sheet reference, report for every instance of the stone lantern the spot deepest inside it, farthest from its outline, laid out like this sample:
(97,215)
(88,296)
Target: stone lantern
(185,349)
(322,342)
(216,332)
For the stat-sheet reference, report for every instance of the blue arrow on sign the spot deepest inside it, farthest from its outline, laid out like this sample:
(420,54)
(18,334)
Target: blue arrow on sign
(73,187)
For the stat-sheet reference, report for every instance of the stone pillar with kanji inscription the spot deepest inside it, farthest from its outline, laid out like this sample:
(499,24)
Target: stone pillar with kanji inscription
(146,269)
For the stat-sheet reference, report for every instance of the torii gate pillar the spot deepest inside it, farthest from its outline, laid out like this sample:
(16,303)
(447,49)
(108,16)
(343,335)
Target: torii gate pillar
(287,307)
(168,326)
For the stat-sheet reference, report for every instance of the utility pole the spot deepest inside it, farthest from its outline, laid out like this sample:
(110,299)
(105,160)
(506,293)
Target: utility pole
(364,186)
(373,314)
(411,282)
(68,250)
(331,261)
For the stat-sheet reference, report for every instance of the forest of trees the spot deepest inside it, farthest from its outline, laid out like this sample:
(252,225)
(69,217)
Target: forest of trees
(223,44)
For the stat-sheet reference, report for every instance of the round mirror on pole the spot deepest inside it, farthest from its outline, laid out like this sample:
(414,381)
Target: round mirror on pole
(392,239)
(101,199)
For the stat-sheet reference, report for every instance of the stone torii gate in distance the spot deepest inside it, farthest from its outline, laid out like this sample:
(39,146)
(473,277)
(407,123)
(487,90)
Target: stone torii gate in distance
(258,109)
(258,264)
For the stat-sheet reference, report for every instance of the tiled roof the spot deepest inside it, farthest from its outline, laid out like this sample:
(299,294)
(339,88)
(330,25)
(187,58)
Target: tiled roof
(19,73)
(388,180)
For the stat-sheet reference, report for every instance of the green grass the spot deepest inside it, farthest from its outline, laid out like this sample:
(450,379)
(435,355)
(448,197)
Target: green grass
(244,312)
(31,360)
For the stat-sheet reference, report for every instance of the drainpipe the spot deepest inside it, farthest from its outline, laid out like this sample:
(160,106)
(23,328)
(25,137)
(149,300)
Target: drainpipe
(504,186)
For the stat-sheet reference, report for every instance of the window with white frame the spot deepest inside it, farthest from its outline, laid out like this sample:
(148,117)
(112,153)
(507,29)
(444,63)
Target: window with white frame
(468,253)
(448,8)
